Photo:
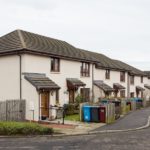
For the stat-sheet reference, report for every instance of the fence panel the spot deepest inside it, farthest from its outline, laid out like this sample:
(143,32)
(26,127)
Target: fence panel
(12,110)
(3,111)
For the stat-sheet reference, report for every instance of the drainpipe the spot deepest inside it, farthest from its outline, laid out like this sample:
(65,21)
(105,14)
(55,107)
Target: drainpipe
(92,82)
(128,85)
(20,74)
(39,107)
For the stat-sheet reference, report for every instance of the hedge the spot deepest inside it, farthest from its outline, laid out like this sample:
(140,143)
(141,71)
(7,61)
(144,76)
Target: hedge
(23,128)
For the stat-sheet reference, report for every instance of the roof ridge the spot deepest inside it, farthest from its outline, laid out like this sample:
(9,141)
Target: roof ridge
(21,39)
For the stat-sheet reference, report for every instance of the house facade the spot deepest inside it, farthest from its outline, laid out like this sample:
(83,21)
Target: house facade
(47,72)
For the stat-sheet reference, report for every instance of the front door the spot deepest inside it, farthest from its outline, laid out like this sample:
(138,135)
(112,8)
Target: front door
(45,105)
(71,96)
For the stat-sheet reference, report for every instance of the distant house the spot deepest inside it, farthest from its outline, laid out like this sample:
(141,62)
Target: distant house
(147,84)
(47,71)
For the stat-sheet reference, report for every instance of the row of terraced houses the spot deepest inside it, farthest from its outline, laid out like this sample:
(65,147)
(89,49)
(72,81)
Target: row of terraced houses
(46,71)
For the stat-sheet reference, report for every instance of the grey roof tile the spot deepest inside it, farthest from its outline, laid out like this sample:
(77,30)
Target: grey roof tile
(23,41)
(40,81)
(74,82)
(103,86)
(118,86)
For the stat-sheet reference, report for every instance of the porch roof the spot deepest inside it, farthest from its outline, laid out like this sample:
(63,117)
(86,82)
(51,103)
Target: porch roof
(140,88)
(103,86)
(118,86)
(40,81)
(147,86)
(74,82)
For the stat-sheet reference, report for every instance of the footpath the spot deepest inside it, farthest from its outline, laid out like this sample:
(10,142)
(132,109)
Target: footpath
(135,120)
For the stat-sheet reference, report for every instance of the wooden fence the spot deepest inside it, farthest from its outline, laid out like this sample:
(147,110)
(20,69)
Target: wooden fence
(12,110)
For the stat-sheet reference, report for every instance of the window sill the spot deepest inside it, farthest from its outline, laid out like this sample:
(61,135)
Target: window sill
(107,79)
(122,81)
(53,72)
(132,84)
(85,76)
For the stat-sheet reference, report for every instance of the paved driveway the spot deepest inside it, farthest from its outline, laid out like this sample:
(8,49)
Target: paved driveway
(133,120)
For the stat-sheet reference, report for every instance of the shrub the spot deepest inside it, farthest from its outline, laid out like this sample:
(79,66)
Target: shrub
(79,99)
(69,109)
(23,128)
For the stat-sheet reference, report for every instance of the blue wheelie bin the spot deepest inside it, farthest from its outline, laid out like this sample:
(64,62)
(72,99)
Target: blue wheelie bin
(87,113)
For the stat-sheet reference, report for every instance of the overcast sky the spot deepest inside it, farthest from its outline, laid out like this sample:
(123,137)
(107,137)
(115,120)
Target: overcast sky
(119,29)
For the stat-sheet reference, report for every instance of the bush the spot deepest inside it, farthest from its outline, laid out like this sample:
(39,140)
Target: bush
(79,99)
(69,109)
(23,128)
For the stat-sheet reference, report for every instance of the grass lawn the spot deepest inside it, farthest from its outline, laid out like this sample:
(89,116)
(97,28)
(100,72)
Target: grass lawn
(23,128)
(74,117)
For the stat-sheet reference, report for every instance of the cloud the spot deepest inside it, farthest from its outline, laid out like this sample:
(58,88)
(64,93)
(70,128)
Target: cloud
(119,29)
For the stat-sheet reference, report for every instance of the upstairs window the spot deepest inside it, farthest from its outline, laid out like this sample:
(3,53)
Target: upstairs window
(55,64)
(122,76)
(131,79)
(141,79)
(85,69)
(107,74)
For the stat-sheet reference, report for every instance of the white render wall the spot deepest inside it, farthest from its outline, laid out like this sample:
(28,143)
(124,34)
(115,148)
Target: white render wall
(99,74)
(31,96)
(98,93)
(137,82)
(9,77)
(147,91)
(68,69)
(10,80)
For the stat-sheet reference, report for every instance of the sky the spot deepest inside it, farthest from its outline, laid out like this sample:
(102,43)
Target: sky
(120,29)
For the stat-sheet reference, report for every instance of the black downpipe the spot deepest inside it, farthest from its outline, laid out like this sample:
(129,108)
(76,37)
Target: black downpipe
(128,85)
(39,107)
(20,74)
(92,82)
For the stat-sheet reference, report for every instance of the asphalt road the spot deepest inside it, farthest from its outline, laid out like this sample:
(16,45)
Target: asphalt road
(135,140)
(133,120)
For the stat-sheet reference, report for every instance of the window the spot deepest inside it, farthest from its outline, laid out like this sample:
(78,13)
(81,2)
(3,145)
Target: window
(85,69)
(122,76)
(132,94)
(55,64)
(141,79)
(131,79)
(85,94)
(107,74)
(122,93)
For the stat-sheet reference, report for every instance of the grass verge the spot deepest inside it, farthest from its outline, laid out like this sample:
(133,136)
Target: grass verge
(74,117)
(23,128)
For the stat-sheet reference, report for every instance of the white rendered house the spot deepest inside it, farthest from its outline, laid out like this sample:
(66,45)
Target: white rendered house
(46,71)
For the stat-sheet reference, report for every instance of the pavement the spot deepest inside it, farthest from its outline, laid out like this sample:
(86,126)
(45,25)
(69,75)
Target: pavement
(73,127)
(133,121)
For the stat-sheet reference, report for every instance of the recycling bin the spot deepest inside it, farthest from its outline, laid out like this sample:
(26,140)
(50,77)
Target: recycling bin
(87,113)
(139,103)
(102,114)
(95,114)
